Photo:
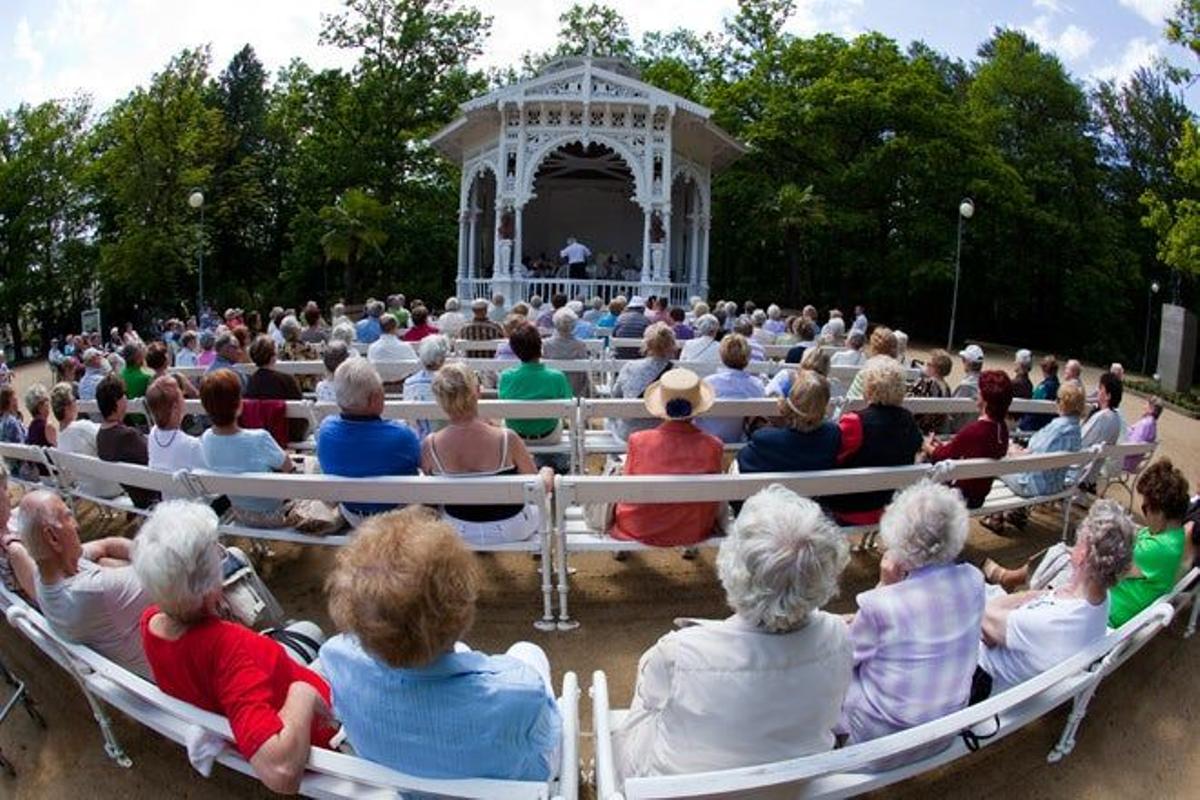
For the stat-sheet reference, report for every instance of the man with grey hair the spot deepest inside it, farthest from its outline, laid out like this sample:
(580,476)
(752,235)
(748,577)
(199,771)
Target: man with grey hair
(779,566)
(367,330)
(451,320)
(480,328)
(87,592)
(835,328)
(705,346)
(388,346)
(359,442)
(564,345)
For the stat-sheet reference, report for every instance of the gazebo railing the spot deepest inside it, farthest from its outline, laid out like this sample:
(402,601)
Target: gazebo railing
(585,288)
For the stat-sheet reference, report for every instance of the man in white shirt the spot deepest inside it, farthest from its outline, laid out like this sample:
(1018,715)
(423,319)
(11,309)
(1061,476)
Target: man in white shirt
(835,328)
(576,256)
(87,592)
(389,347)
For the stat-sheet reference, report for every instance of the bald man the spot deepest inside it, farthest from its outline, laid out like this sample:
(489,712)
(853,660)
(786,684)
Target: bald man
(88,592)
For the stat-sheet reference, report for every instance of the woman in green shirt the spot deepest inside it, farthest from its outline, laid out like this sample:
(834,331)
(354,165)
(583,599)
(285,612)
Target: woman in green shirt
(1158,547)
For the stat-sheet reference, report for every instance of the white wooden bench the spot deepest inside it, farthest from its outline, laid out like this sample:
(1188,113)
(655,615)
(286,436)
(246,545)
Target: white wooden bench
(406,490)
(848,772)
(34,456)
(572,493)
(329,774)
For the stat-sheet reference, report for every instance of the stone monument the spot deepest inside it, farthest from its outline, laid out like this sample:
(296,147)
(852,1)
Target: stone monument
(1176,348)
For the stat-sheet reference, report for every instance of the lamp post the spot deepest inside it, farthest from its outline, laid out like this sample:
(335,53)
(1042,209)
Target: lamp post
(1152,290)
(196,201)
(966,210)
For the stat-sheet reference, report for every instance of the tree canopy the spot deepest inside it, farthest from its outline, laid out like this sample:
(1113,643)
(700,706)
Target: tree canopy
(319,182)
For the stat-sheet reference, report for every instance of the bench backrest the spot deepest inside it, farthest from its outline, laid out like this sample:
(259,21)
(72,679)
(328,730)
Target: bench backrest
(787,778)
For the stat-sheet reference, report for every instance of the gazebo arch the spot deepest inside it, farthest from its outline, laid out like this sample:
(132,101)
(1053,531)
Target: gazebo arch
(582,102)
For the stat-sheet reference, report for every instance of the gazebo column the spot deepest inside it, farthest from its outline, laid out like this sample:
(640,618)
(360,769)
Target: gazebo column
(518,242)
(663,273)
(473,243)
(705,224)
(461,288)
(646,213)
(694,256)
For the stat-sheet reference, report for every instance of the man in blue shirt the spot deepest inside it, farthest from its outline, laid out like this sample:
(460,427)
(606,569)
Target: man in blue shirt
(359,443)
(368,328)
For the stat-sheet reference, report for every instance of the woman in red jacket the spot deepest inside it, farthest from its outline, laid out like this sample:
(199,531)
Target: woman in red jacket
(986,437)
(676,447)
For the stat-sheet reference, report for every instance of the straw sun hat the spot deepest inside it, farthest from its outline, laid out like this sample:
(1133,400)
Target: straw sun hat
(679,394)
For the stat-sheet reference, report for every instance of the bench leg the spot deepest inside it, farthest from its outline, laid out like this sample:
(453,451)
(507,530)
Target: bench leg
(1191,626)
(1066,742)
(112,747)
(565,623)
(1066,528)
(546,623)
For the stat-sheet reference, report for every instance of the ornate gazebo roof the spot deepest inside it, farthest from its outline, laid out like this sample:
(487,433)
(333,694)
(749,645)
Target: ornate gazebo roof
(582,81)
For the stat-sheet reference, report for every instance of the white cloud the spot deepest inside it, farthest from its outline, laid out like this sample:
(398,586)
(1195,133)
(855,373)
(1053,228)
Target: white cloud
(1153,11)
(24,48)
(1138,52)
(1052,6)
(1073,43)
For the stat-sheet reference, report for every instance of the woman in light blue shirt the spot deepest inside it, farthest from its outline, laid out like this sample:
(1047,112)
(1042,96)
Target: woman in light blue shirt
(230,448)
(1061,435)
(732,382)
(403,594)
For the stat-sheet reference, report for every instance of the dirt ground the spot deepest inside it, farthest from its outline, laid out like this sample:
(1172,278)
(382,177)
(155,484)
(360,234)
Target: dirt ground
(1135,741)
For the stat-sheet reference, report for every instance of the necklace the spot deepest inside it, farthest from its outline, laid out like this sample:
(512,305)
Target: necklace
(167,444)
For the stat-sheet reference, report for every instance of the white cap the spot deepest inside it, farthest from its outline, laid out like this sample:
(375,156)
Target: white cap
(636,302)
(1024,356)
(972,353)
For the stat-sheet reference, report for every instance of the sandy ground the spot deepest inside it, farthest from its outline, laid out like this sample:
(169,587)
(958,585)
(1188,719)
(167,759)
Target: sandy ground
(1135,740)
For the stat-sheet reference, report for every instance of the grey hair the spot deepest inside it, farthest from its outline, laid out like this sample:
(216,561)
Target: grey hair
(782,560)
(433,351)
(338,310)
(856,339)
(773,311)
(290,328)
(375,308)
(1108,531)
(207,340)
(927,523)
(564,321)
(354,382)
(451,304)
(758,317)
(34,517)
(177,558)
(343,332)
(35,395)
(335,353)
(597,303)
(707,325)
(61,398)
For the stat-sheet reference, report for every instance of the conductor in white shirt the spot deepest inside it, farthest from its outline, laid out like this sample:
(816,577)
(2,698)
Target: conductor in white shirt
(576,255)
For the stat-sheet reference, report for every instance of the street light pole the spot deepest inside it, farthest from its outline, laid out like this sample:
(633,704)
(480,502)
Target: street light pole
(966,210)
(1153,290)
(196,200)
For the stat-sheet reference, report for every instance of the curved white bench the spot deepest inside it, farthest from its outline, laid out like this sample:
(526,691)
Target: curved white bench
(329,774)
(847,772)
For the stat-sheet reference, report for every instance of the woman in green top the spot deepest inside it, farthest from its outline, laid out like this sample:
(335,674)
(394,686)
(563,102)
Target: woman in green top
(1157,548)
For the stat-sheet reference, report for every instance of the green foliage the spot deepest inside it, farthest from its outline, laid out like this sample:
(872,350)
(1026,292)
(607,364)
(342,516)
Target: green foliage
(318,183)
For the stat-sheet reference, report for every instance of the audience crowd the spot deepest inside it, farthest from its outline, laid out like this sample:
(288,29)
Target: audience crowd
(935,634)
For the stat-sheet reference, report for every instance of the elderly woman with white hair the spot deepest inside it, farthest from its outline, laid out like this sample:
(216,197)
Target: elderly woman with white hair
(775,323)
(916,635)
(765,684)
(1027,633)
(451,320)
(432,352)
(884,434)
(565,345)
(276,708)
(705,346)
(335,353)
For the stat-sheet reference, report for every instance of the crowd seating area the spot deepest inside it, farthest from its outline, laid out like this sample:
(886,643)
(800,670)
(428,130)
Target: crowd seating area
(567,527)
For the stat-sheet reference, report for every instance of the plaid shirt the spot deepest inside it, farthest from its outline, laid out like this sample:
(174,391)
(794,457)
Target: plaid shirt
(916,644)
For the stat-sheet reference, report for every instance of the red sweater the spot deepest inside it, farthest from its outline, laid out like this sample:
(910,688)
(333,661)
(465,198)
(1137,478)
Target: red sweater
(983,438)
(230,670)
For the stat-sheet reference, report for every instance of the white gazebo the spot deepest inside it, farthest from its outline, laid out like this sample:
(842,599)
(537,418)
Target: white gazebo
(585,149)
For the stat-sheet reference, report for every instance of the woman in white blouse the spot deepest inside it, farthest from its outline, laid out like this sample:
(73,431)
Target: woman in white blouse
(767,683)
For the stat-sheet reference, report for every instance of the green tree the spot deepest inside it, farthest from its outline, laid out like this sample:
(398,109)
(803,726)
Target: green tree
(355,226)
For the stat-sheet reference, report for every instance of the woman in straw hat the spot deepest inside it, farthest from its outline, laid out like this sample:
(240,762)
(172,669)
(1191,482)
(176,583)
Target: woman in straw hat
(675,447)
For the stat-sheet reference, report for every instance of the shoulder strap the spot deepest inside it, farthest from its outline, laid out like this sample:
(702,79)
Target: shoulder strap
(437,462)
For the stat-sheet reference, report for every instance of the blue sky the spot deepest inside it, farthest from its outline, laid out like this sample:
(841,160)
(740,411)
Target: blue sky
(53,48)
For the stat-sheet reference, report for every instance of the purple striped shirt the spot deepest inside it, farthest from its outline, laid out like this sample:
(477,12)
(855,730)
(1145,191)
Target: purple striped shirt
(916,644)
